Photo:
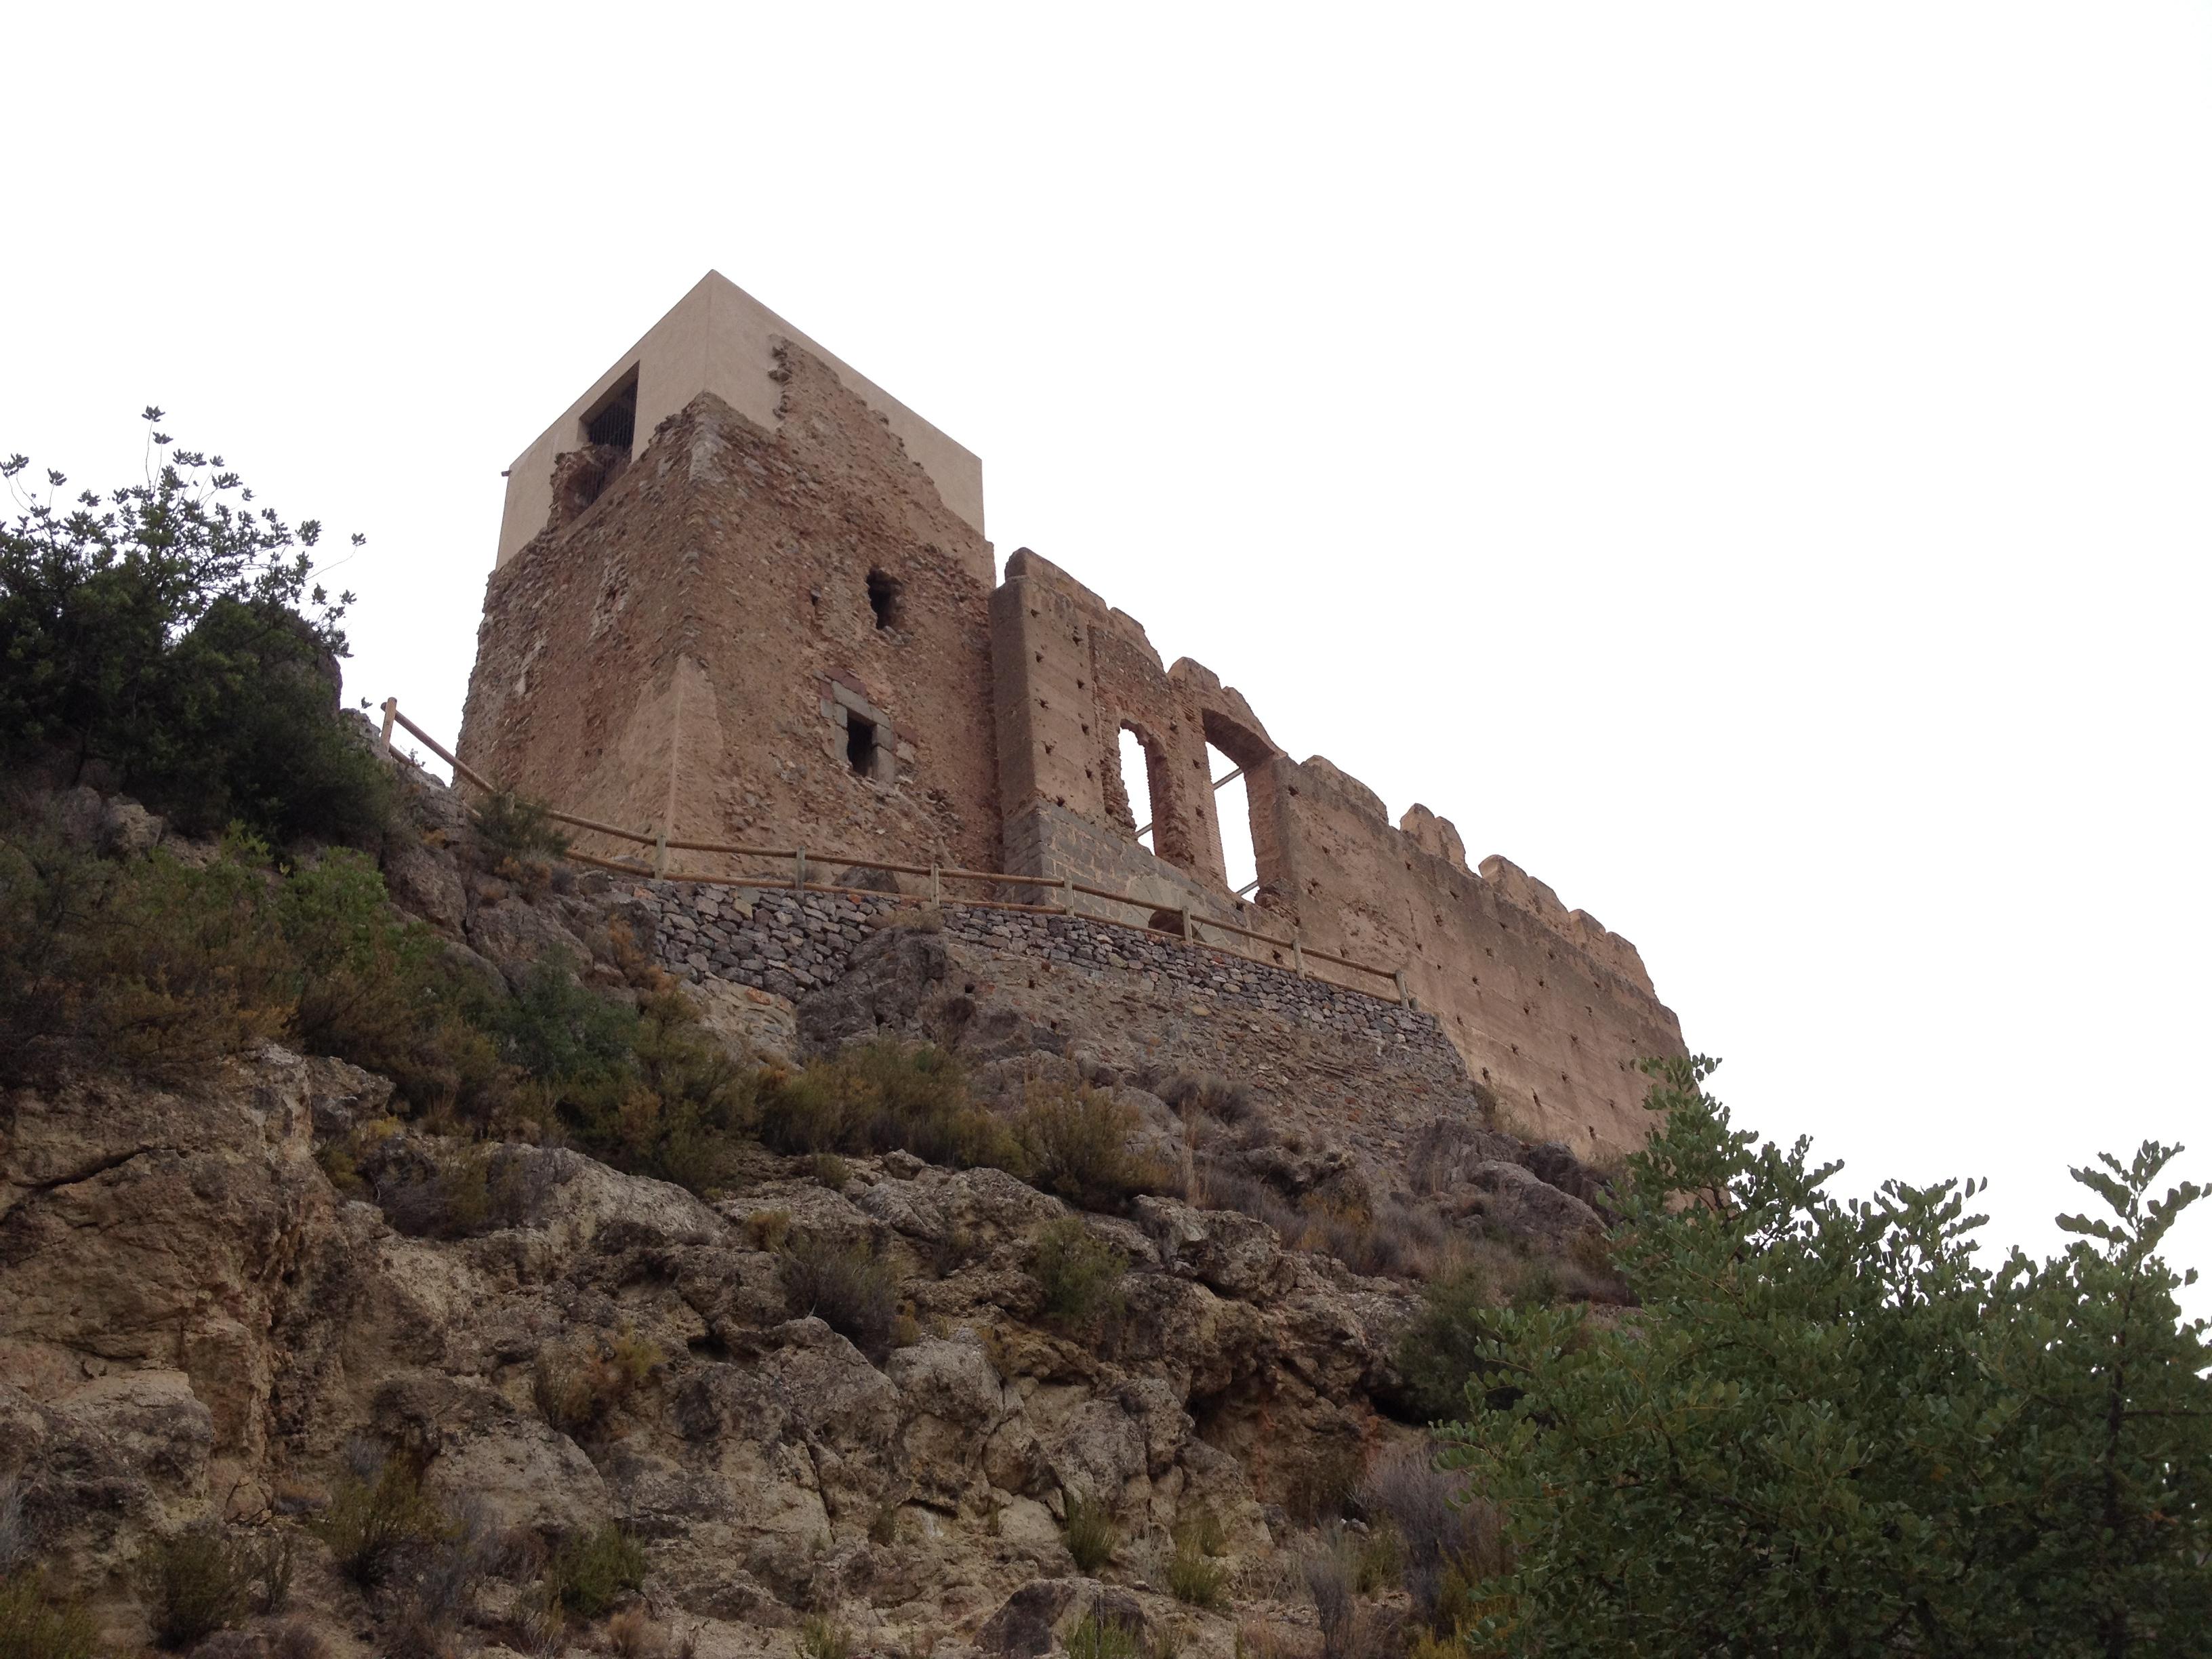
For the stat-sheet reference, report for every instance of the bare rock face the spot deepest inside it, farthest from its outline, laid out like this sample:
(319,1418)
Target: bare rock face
(142,1228)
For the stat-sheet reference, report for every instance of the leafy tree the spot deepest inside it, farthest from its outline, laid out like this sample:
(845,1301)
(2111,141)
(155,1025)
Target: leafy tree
(1831,1431)
(171,632)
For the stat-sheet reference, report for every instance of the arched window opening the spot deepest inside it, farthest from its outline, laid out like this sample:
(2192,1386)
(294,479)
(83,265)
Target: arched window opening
(1232,810)
(1137,781)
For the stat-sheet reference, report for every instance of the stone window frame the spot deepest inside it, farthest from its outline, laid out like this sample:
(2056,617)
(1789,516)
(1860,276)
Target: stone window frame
(842,700)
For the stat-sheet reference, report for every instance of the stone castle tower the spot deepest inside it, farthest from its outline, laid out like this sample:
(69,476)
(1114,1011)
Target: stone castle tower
(744,595)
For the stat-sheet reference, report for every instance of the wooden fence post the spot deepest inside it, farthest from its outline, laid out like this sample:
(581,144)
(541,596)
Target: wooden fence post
(391,713)
(660,851)
(1067,896)
(1190,927)
(798,873)
(936,884)
(1399,977)
(1297,954)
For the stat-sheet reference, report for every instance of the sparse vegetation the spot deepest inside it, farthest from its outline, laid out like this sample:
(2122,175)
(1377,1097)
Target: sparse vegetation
(35,1625)
(1094,1637)
(1090,1533)
(849,1286)
(378,1510)
(883,1096)
(1081,1275)
(1074,1142)
(578,1385)
(1318,1484)
(1194,1576)
(197,1582)
(1447,1537)
(516,831)
(592,1572)
(821,1637)
(1446,1344)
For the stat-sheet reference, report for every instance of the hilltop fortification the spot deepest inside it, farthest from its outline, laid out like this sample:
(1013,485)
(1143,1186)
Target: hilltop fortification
(744,595)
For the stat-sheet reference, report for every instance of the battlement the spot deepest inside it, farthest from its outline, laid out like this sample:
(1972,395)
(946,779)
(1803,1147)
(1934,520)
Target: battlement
(744,594)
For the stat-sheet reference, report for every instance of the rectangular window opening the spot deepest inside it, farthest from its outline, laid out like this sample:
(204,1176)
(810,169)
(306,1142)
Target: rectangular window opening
(861,745)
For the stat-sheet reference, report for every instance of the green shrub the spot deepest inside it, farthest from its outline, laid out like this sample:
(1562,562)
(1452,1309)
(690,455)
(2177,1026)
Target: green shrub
(577,1386)
(1075,1143)
(821,1637)
(1320,1483)
(1441,1351)
(375,988)
(153,966)
(1195,1578)
(849,1286)
(590,1572)
(645,1089)
(158,631)
(197,1583)
(1104,1639)
(374,1517)
(1081,1275)
(884,1096)
(517,828)
(1090,1533)
(34,1627)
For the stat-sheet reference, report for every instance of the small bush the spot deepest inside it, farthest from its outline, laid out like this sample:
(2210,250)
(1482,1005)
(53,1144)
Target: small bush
(591,1572)
(849,1286)
(1104,1639)
(766,1229)
(1195,1578)
(1440,1353)
(1319,1485)
(831,1170)
(197,1583)
(631,1634)
(1218,1098)
(1379,1562)
(1090,1533)
(1450,1540)
(886,1096)
(644,1089)
(821,1637)
(34,1627)
(1328,1566)
(1075,1142)
(1081,1275)
(578,1386)
(377,1511)
(518,829)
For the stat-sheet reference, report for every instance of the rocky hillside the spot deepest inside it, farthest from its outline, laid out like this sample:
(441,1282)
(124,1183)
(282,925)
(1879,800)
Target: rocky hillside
(350,1375)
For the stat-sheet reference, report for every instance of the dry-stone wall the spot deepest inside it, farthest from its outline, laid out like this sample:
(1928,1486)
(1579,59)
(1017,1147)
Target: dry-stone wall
(789,943)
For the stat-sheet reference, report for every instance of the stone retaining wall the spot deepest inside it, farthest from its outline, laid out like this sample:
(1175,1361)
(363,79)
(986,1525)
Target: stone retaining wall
(789,943)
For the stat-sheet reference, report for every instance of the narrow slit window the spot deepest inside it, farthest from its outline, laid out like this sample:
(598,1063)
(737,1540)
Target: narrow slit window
(861,745)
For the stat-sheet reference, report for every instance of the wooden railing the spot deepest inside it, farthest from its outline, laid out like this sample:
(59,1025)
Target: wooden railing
(1192,924)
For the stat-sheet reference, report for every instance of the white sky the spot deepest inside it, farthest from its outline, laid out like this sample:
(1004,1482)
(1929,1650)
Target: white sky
(1747,464)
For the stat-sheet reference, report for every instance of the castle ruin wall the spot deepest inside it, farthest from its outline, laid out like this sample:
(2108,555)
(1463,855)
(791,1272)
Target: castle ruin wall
(771,621)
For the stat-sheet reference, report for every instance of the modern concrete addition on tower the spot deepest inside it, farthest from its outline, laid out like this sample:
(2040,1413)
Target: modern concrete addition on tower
(743,594)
